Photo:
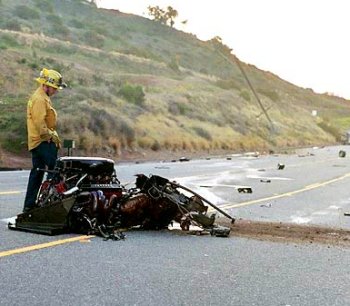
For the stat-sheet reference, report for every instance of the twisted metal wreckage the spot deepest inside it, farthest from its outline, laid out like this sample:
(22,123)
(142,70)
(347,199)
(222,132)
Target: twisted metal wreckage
(84,195)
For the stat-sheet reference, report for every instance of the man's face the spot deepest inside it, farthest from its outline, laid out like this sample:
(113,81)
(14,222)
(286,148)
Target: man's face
(50,91)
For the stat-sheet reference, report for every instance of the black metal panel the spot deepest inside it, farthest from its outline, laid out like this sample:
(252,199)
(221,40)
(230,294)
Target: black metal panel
(90,165)
(48,220)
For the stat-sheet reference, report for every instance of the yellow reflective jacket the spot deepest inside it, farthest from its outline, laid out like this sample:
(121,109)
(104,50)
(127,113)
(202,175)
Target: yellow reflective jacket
(41,120)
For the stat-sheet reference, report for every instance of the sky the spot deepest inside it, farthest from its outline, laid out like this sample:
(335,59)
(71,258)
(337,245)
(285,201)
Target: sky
(305,42)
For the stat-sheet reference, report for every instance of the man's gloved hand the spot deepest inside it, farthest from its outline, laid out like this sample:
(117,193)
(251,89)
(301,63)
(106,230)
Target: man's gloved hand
(54,137)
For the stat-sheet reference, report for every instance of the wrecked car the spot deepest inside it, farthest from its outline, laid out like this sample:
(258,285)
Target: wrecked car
(85,196)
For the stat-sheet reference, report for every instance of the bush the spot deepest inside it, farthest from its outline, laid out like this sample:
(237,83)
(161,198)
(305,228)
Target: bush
(328,128)
(173,65)
(155,146)
(57,26)
(133,94)
(245,95)
(12,24)
(62,48)
(62,31)
(202,133)
(44,5)
(270,94)
(93,39)
(54,19)
(76,24)
(8,40)
(176,108)
(26,12)
(227,84)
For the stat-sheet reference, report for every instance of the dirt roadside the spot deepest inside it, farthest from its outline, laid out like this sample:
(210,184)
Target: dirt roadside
(12,161)
(287,232)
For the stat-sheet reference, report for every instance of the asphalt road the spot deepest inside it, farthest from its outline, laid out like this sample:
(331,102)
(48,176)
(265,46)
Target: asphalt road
(166,268)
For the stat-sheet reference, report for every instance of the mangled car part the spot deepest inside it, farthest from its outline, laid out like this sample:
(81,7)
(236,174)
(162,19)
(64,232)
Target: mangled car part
(84,195)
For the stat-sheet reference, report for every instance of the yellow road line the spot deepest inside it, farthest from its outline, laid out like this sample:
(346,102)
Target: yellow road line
(9,192)
(43,245)
(287,194)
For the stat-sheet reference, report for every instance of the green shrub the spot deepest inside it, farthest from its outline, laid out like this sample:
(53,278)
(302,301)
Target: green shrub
(245,95)
(270,94)
(133,94)
(155,146)
(26,12)
(14,143)
(22,60)
(227,84)
(62,48)
(12,24)
(176,108)
(45,5)
(8,40)
(202,133)
(34,65)
(126,129)
(331,129)
(54,19)
(173,65)
(61,30)
(76,24)
(93,39)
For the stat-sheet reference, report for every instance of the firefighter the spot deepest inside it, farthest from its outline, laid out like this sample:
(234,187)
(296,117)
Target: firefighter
(43,140)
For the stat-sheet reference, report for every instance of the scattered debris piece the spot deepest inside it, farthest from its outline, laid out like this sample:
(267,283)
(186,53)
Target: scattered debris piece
(262,170)
(245,190)
(228,158)
(342,153)
(269,205)
(280,166)
(265,181)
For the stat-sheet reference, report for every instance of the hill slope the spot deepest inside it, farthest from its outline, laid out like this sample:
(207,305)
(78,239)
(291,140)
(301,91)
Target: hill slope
(136,85)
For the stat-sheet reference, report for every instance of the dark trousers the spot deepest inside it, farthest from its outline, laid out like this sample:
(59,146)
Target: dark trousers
(43,156)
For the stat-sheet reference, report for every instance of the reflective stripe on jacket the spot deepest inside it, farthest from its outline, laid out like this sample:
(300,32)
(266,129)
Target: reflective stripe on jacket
(41,120)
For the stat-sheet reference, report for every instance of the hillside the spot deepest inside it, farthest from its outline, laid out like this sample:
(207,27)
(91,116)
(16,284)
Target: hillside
(138,86)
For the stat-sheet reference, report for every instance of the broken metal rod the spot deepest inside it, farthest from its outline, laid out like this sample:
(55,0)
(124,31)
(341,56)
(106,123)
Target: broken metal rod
(205,200)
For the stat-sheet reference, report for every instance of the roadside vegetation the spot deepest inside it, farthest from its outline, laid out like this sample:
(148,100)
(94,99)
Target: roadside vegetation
(137,85)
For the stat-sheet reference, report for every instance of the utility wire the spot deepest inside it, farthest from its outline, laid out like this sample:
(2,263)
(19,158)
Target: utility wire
(249,84)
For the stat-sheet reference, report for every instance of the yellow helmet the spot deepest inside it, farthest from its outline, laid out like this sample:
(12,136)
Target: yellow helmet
(51,78)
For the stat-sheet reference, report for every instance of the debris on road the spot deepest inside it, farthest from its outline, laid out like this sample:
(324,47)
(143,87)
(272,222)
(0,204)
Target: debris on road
(245,190)
(184,159)
(280,166)
(240,189)
(265,181)
(269,205)
(342,153)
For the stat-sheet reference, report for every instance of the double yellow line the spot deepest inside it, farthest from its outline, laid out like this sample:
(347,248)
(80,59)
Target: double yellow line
(44,245)
(9,192)
(287,194)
